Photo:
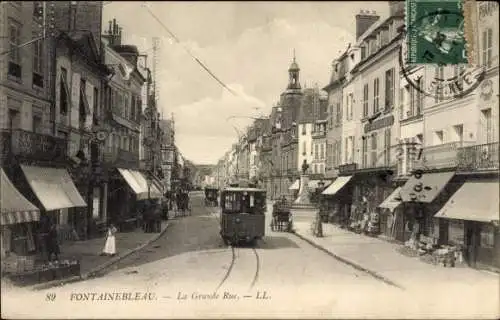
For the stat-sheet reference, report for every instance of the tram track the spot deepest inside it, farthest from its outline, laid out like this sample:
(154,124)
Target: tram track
(235,253)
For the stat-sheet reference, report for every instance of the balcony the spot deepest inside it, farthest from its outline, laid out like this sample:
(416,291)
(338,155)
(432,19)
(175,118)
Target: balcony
(36,146)
(440,156)
(122,158)
(478,158)
(319,134)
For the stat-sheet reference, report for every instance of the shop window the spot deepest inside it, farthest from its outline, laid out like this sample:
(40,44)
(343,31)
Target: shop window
(487,236)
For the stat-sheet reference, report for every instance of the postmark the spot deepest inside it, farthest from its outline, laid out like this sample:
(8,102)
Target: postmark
(435,32)
(466,77)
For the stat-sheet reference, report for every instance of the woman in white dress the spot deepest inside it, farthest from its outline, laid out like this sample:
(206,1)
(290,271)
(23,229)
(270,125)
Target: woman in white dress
(110,245)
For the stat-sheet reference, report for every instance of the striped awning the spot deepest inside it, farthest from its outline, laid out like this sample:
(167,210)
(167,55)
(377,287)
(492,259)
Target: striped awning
(14,207)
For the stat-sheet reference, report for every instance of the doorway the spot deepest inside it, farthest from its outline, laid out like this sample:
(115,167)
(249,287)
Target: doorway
(471,242)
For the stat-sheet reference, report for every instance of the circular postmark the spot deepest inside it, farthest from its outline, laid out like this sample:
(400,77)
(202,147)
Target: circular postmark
(443,48)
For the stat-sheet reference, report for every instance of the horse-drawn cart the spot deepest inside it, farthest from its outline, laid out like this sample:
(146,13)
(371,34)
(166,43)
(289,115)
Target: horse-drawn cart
(211,195)
(282,217)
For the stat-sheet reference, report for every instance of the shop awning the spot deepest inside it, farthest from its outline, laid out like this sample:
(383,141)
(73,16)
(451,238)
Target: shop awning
(313,184)
(392,201)
(425,189)
(476,201)
(295,185)
(337,185)
(14,207)
(53,187)
(139,184)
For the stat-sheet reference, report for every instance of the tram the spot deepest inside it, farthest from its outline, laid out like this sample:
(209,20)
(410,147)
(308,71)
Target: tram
(243,211)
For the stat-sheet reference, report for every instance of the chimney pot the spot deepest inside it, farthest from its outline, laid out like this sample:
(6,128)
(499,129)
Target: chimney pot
(110,29)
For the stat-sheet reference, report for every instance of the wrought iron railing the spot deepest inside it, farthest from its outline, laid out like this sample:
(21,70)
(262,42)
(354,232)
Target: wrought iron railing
(481,157)
(440,156)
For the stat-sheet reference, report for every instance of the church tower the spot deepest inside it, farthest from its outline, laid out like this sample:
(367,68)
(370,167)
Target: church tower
(293,75)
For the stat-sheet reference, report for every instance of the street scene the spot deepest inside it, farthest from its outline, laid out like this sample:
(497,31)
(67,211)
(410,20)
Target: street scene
(246,160)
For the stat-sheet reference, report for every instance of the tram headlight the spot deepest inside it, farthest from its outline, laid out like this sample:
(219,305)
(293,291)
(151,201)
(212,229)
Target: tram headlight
(238,220)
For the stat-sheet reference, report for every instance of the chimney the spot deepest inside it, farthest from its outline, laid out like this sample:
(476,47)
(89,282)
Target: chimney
(364,20)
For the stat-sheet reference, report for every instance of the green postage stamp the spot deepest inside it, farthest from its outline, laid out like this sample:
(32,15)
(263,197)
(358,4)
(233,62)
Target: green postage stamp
(435,32)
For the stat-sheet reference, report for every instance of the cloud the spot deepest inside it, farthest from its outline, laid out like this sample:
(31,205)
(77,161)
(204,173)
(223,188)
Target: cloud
(248,46)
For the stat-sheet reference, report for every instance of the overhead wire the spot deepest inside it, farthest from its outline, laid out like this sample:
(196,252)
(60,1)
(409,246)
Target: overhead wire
(173,36)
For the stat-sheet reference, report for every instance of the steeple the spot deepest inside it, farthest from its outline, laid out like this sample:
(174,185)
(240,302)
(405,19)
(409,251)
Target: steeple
(293,74)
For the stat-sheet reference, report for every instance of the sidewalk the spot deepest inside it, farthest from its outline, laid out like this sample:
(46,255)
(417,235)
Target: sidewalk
(89,254)
(382,260)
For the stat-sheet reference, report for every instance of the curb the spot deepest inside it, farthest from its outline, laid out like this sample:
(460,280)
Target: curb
(94,272)
(349,262)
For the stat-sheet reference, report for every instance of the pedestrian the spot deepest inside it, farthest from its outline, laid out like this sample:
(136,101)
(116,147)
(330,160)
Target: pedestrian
(53,243)
(110,245)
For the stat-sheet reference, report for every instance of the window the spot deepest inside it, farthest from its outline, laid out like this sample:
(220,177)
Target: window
(126,106)
(63,92)
(304,148)
(351,158)
(346,142)
(401,103)
(438,137)
(132,108)
(339,113)
(459,133)
(83,106)
(387,147)
(375,95)
(38,63)
(419,103)
(439,90)
(37,124)
(304,131)
(322,151)
(363,52)
(14,119)
(487,47)
(486,126)
(374,150)
(349,106)
(315,168)
(316,153)
(365,100)
(364,150)
(389,89)
(14,42)
(96,105)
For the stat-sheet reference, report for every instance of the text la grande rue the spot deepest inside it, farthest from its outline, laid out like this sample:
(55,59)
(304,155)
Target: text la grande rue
(226,295)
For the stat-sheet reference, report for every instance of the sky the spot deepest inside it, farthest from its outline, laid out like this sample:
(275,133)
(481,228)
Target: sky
(248,45)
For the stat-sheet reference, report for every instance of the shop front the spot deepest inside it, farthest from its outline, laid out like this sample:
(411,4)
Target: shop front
(339,199)
(128,191)
(55,192)
(34,236)
(422,196)
(18,215)
(470,222)
(392,218)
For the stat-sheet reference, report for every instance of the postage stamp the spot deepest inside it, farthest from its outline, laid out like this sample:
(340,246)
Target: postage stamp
(435,32)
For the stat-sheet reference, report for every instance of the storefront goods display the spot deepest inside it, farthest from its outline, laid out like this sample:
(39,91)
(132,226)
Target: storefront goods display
(46,272)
